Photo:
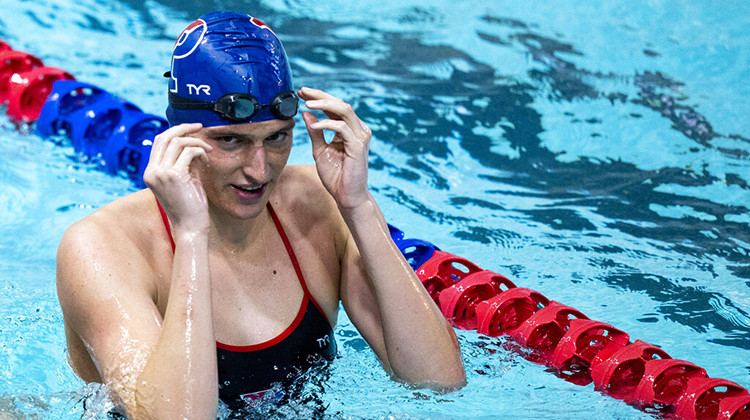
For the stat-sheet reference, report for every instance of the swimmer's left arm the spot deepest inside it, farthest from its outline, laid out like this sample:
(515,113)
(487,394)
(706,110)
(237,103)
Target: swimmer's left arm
(380,292)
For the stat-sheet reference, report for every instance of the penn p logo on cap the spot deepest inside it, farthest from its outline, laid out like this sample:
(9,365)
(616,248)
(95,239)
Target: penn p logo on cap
(259,23)
(189,39)
(185,45)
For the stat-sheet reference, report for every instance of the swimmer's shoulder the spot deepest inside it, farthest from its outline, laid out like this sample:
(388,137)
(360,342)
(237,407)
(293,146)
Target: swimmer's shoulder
(131,224)
(300,191)
(102,256)
(301,197)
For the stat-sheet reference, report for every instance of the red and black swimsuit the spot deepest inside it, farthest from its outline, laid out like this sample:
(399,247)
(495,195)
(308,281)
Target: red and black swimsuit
(247,372)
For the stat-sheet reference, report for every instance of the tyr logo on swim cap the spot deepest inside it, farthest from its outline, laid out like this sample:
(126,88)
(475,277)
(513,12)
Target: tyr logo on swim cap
(225,53)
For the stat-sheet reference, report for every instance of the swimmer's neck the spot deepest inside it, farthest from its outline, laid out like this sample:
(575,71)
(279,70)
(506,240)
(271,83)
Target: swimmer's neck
(234,234)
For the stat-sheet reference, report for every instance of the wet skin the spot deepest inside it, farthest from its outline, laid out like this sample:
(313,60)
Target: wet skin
(145,320)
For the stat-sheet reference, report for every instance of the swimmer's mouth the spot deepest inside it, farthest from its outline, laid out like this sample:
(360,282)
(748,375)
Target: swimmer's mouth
(250,189)
(249,192)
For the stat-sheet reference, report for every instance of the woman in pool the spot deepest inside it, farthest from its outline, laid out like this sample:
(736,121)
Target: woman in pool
(224,277)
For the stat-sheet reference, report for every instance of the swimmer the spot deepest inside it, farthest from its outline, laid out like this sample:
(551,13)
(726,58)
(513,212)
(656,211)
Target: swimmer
(224,277)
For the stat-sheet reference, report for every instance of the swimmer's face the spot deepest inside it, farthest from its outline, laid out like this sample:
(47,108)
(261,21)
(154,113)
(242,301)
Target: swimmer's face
(245,164)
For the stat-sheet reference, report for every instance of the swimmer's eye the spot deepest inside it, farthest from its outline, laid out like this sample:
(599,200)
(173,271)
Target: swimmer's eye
(229,139)
(277,138)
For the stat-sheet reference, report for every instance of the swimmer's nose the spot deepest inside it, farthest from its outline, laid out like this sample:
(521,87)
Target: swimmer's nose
(255,164)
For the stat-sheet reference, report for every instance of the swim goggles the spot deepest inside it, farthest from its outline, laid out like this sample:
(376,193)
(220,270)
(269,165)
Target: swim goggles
(238,107)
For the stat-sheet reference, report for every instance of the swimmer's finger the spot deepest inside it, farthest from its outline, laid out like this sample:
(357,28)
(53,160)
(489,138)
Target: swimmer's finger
(177,145)
(189,155)
(339,127)
(337,109)
(179,172)
(332,107)
(162,141)
(307,93)
(316,135)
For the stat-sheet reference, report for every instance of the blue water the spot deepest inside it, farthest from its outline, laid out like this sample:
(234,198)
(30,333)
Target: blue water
(596,152)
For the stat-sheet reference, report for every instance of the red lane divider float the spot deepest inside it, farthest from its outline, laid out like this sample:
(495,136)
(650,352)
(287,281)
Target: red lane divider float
(13,63)
(663,381)
(702,397)
(619,374)
(443,270)
(580,350)
(542,331)
(734,408)
(29,90)
(506,312)
(458,302)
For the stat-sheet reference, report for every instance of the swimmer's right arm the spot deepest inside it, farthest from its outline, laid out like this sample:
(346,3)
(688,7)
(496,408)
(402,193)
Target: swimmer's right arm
(158,367)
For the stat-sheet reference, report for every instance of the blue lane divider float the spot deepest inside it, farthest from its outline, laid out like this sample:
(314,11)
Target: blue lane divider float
(578,349)
(101,125)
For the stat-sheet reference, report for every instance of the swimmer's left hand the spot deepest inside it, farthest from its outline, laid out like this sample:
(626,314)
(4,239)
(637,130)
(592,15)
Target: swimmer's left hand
(342,163)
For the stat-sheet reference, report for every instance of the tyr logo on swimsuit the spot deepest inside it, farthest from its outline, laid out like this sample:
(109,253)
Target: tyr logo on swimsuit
(322,342)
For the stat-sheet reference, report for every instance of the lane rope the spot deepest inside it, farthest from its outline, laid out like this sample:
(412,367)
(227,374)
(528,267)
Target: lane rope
(118,135)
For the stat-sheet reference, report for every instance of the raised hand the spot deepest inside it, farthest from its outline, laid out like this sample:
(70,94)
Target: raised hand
(342,163)
(171,175)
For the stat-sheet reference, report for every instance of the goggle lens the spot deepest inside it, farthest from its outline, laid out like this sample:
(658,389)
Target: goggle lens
(235,107)
(284,105)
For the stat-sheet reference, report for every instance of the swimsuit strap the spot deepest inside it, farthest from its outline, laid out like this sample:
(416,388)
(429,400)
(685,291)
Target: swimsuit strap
(165,219)
(293,257)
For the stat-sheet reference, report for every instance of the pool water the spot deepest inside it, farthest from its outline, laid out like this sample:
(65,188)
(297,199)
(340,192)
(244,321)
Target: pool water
(596,152)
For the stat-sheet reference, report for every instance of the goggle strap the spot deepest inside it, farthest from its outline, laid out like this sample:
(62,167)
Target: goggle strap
(185,103)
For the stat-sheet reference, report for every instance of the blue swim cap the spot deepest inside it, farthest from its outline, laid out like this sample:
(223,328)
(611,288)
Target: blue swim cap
(223,53)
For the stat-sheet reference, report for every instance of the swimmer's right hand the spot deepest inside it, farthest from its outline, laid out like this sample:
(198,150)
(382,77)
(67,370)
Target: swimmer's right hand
(172,176)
